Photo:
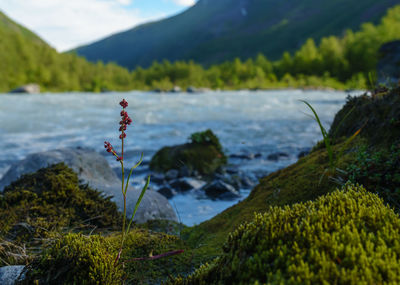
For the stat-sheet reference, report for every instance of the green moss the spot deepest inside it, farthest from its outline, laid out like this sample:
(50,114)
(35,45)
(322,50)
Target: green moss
(52,200)
(345,237)
(76,259)
(378,169)
(141,243)
(303,181)
(377,116)
(79,259)
(204,154)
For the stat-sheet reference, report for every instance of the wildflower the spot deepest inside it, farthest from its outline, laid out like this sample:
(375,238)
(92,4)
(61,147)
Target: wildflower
(123,103)
(108,146)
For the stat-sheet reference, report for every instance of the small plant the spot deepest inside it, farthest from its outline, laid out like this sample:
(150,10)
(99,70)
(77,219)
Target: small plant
(333,157)
(125,121)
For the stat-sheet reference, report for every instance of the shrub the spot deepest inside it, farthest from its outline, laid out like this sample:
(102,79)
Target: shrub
(346,237)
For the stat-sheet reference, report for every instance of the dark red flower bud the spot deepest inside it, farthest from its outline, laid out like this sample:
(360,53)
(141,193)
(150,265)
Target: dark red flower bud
(123,113)
(121,136)
(120,158)
(128,121)
(122,128)
(123,103)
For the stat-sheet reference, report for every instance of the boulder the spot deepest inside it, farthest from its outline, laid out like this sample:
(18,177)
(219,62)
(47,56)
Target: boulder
(203,156)
(157,178)
(304,152)
(278,155)
(93,169)
(171,174)
(247,156)
(186,184)
(167,192)
(29,88)
(11,274)
(220,190)
(154,206)
(388,69)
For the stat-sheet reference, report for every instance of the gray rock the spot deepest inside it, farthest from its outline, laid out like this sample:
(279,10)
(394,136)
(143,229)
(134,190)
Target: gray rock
(186,184)
(154,206)
(157,178)
(232,169)
(171,174)
(29,88)
(303,153)
(93,169)
(184,171)
(276,156)
(221,190)
(90,166)
(167,192)
(389,64)
(248,156)
(10,274)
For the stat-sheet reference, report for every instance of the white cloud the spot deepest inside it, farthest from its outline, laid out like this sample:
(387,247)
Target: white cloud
(66,24)
(185,2)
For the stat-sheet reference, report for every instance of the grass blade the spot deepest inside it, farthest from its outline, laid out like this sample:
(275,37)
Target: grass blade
(324,134)
(138,202)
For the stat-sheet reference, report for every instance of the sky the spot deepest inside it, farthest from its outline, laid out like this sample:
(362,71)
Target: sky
(66,24)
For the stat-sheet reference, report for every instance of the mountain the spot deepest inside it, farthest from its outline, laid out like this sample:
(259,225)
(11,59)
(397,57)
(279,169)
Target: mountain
(26,58)
(219,30)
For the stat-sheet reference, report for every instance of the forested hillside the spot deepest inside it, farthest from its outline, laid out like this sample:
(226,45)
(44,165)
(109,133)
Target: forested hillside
(214,31)
(25,58)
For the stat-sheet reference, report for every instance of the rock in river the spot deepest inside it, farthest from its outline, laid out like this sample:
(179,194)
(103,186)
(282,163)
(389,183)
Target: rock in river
(220,190)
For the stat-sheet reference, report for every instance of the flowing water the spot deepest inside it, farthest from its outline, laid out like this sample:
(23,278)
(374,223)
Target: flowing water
(262,122)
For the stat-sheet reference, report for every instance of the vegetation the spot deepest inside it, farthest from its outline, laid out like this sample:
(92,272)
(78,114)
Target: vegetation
(345,237)
(41,205)
(76,259)
(26,58)
(338,62)
(204,155)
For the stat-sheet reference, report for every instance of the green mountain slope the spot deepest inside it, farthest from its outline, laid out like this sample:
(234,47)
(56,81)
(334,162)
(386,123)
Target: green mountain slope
(214,31)
(25,58)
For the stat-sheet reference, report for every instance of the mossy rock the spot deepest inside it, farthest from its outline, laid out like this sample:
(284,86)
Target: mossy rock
(203,154)
(76,259)
(52,200)
(378,118)
(345,237)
